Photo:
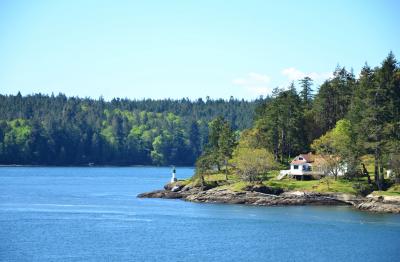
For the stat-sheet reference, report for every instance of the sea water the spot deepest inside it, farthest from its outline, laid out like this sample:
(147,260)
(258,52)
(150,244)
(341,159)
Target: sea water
(93,214)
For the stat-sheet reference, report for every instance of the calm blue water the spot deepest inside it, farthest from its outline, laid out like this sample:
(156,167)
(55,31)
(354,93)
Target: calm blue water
(92,214)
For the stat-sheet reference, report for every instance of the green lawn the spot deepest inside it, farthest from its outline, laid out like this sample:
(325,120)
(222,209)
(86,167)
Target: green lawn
(341,186)
(392,191)
(386,193)
(324,185)
(220,177)
(238,186)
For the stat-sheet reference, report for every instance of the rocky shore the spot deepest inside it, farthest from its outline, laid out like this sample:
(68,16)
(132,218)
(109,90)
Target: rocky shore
(265,196)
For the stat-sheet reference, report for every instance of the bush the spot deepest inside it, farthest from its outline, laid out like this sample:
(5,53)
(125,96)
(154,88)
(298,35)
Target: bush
(263,189)
(363,189)
(252,163)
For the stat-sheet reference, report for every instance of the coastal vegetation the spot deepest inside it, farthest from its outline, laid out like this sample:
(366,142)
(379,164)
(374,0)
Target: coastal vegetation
(348,122)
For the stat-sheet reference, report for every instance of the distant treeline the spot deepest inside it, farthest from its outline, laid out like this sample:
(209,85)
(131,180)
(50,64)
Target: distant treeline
(60,130)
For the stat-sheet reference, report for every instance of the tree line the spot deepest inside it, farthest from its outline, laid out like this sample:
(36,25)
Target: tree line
(346,118)
(60,130)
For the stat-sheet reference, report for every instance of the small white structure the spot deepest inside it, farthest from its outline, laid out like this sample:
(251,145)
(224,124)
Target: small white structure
(308,165)
(173,178)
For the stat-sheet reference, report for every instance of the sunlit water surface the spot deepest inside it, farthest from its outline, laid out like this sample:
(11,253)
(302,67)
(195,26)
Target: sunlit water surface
(92,214)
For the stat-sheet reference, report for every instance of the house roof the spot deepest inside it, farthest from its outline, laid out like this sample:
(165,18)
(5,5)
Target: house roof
(298,162)
(307,158)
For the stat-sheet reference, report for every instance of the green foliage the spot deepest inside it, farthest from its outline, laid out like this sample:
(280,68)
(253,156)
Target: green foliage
(18,133)
(280,125)
(221,142)
(340,185)
(108,135)
(333,99)
(350,117)
(375,113)
(15,136)
(363,188)
(346,119)
(57,130)
(306,92)
(238,186)
(204,165)
(337,141)
(394,166)
(251,163)
(395,189)
(337,149)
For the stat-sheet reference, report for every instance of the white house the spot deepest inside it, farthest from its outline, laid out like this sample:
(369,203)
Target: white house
(301,164)
(308,165)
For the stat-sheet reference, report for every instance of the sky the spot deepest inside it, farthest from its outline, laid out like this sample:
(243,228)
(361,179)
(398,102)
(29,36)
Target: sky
(187,49)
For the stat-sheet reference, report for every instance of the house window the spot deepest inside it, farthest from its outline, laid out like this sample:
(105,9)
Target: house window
(295,167)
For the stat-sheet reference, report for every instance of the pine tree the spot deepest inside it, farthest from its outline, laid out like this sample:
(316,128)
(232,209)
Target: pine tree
(280,125)
(195,139)
(306,91)
(374,111)
(333,99)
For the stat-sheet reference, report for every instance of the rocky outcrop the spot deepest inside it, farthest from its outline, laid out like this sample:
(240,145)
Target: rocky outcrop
(378,206)
(384,204)
(263,189)
(263,196)
(161,194)
(218,195)
(249,197)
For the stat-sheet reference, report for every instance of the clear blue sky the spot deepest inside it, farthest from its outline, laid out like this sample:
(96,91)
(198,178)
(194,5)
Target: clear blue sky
(161,49)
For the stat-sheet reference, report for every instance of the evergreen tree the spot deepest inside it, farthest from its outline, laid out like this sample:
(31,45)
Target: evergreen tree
(280,125)
(306,92)
(333,99)
(374,113)
(195,139)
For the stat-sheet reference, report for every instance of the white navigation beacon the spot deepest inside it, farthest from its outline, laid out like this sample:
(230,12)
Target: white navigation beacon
(173,178)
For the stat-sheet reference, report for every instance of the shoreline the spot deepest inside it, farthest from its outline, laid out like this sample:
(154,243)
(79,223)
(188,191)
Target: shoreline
(16,165)
(289,198)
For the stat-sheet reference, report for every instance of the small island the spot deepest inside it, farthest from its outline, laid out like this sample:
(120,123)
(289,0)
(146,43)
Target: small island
(350,130)
(274,191)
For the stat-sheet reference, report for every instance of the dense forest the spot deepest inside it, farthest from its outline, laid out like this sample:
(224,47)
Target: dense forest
(347,116)
(344,120)
(60,130)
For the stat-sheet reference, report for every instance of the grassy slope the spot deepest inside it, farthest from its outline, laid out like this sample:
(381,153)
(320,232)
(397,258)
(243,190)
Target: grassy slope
(392,191)
(234,183)
(341,185)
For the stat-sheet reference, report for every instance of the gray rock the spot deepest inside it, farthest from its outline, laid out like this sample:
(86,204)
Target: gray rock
(176,188)
(223,195)
(186,188)
(160,194)
(169,186)
(263,189)
(379,206)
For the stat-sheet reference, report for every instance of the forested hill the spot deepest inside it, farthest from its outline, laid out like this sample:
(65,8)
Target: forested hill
(346,121)
(60,130)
